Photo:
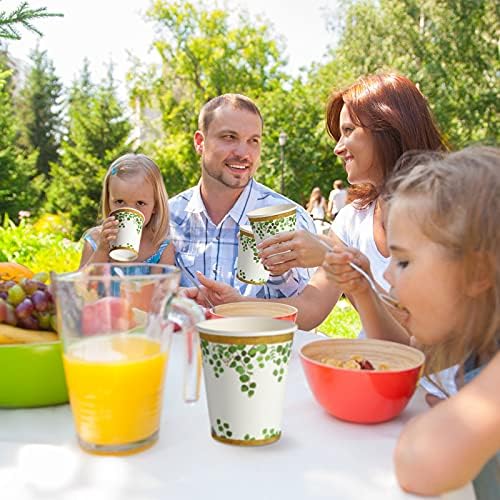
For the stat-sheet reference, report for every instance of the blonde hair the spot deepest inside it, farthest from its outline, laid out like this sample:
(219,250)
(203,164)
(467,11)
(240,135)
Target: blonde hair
(316,196)
(131,165)
(460,212)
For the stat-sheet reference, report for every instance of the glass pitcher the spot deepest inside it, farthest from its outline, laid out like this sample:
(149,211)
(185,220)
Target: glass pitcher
(116,323)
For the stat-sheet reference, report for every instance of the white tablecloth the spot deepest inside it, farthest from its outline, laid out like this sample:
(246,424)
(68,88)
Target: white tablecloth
(317,457)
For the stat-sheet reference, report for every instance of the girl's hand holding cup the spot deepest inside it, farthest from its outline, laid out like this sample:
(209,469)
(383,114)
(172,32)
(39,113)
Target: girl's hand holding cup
(108,234)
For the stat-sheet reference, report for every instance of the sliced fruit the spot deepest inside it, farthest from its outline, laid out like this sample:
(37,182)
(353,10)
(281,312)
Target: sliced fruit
(13,335)
(14,271)
(109,314)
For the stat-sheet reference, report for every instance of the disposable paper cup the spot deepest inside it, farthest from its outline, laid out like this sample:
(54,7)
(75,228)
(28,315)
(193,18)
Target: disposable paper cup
(126,246)
(249,269)
(268,221)
(245,364)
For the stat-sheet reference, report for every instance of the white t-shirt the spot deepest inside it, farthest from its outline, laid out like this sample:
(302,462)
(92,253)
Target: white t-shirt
(318,212)
(338,198)
(355,228)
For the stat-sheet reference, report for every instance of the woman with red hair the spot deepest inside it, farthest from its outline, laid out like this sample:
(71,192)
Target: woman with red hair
(374,121)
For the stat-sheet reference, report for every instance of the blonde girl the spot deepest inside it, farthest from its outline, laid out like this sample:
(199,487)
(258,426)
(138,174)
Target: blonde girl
(317,207)
(135,181)
(445,270)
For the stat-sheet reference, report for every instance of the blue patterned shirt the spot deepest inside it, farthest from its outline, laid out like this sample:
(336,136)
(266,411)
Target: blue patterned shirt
(213,250)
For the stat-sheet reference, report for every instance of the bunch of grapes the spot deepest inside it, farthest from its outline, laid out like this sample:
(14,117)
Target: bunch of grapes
(28,304)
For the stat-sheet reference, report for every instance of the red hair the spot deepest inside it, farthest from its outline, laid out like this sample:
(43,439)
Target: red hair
(397,114)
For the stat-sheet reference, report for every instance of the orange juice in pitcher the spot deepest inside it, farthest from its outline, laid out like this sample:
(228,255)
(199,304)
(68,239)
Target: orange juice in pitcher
(116,322)
(116,385)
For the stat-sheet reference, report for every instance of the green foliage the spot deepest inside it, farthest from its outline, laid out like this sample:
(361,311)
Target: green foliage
(37,247)
(309,160)
(23,15)
(343,321)
(98,134)
(40,112)
(203,55)
(17,171)
(449,47)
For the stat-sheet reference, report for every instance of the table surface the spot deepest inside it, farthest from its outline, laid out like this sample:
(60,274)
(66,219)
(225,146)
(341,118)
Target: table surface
(317,457)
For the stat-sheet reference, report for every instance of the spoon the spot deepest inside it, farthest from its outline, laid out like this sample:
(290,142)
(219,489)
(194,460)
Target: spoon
(384,297)
(194,282)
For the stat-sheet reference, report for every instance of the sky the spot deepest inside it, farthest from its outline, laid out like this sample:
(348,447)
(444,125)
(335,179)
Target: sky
(105,30)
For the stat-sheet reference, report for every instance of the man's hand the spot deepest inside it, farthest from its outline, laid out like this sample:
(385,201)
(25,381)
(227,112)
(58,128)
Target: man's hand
(285,251)
(217,291)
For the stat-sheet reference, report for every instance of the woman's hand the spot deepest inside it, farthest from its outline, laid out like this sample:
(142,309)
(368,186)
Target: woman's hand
(338,270)
(284,251)
(108,234)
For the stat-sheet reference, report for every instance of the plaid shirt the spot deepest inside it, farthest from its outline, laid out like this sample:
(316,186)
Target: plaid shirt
(213,250)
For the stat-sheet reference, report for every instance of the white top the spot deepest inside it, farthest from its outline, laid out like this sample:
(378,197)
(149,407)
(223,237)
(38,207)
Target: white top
(318,456)
(355,228)
(318,212)
(338,197)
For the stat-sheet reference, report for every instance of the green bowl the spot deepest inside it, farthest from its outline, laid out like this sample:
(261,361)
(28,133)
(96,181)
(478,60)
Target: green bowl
(32,375)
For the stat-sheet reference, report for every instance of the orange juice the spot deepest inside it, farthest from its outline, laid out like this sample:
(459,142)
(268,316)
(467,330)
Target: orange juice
(115,387)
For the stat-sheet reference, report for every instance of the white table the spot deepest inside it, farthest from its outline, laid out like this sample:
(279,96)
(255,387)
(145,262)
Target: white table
(317,457)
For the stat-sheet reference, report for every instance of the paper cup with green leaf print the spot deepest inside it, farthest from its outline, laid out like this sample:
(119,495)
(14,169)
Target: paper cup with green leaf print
(249,268)
(268,221)
(245,365)
(126,246)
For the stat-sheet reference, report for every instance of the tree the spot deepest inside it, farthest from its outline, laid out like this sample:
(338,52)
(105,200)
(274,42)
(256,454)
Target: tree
(22,16)
(40,112)
(203,55)
(309,159)
(448,47)
(98,133)
(16,191)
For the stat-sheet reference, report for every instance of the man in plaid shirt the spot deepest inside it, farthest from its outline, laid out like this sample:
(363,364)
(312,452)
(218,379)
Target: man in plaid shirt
(205,219)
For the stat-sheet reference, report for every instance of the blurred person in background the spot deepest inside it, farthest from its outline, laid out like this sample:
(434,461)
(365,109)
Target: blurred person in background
(317,207)
(337,199)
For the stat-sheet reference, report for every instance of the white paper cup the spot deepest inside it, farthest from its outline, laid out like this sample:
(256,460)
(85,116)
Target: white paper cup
(126,246)
(245,364)
(249,268)
(268,221)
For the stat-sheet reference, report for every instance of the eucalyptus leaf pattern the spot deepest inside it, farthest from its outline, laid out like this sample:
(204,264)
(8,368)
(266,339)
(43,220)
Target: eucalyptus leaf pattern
(245,360)
(248,243)
(223,429)
(124,217)
(266,434)
(264,229)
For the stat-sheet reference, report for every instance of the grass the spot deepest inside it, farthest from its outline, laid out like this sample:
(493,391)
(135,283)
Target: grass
(343,321)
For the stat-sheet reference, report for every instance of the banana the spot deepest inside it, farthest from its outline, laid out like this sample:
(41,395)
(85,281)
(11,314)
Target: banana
(13,335)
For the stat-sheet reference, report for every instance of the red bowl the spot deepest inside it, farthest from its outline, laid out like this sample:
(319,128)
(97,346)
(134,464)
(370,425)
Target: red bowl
(362,396)
(266,309)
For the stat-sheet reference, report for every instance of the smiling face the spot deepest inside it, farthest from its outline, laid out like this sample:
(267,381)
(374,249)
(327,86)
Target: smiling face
(134,192)
(423,276)
(356,147)
(230,149)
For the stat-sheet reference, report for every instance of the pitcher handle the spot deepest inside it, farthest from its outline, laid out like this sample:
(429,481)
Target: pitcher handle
(186,313)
